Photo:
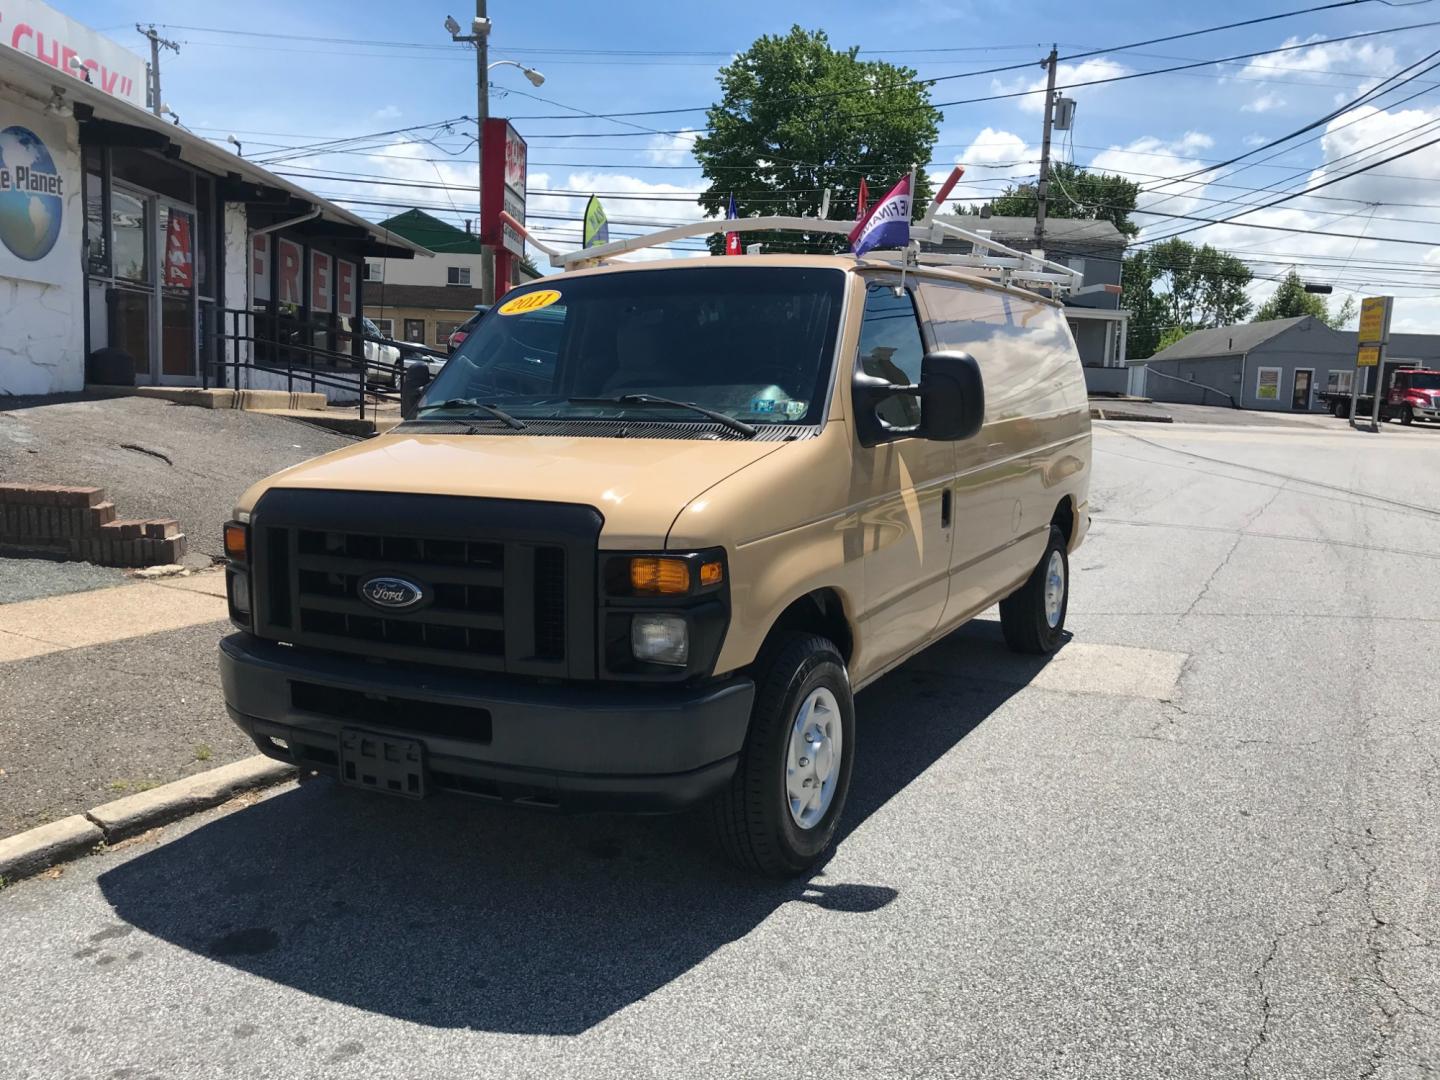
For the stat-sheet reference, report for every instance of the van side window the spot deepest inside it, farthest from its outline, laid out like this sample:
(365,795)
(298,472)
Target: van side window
(891,349)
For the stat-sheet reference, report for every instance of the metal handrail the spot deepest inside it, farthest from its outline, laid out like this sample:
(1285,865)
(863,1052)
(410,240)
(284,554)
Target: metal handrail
(1189,382)
(235,349)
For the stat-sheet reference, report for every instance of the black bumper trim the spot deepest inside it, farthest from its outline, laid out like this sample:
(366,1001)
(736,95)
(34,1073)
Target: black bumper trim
(647,748)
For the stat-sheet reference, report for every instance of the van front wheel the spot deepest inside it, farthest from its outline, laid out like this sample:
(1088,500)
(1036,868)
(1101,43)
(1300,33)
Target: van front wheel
(1033,617)
(779,814)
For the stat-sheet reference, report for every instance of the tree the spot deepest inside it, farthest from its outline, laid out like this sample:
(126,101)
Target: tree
(795,117)
(1175,285)
(1291,300)
(1076,193)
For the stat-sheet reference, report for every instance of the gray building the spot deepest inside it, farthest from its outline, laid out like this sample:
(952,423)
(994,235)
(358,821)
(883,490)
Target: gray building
(1280,364)
(1094,248)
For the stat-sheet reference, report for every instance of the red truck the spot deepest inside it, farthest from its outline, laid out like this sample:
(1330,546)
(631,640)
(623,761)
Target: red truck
(1409,393)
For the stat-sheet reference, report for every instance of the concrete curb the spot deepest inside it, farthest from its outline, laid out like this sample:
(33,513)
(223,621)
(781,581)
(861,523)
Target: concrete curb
(1119,414)
(29,852)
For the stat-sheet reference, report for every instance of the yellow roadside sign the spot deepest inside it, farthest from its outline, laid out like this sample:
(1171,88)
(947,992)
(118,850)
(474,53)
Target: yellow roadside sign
(1374,321)
(1368,356)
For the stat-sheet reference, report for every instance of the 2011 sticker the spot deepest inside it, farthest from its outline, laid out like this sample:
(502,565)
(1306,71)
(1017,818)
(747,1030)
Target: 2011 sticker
(531,301)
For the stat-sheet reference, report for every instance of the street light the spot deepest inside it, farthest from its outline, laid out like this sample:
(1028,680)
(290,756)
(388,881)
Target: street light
(536,79)
(479,36)
(236,143)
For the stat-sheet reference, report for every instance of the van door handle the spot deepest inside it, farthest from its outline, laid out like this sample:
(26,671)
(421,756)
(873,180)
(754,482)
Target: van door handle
(945,509)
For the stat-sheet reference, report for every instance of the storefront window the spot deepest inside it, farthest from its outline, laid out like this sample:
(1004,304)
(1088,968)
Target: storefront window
(130,225)
(205,235)
(95,231)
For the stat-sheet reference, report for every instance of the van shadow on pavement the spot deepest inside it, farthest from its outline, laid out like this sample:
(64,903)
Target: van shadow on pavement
(459,914)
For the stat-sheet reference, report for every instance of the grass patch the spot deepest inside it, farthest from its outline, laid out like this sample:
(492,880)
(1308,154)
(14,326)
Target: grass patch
(203,752)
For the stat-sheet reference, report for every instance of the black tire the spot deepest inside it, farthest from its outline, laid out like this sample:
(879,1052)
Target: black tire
(397,374)
(752,818)
(1023,614)
(1407,415)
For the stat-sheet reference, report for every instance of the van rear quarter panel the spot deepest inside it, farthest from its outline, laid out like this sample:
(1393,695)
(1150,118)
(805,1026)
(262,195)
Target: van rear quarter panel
(1034,447)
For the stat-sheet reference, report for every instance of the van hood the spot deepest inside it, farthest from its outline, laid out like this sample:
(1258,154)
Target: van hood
(638,485)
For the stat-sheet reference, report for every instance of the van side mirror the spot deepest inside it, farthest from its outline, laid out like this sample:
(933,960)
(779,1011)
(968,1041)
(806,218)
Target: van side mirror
(951,393)
(952,396)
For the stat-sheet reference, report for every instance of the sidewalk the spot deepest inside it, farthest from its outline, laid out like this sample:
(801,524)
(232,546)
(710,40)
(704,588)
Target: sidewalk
(110,691)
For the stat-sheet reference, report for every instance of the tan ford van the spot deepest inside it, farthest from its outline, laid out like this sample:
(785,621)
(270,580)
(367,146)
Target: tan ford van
(652,527)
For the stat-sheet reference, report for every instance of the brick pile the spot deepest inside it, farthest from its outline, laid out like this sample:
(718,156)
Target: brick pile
(79,523)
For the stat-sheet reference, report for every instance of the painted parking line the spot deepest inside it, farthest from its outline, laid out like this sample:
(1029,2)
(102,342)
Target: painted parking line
(74,621)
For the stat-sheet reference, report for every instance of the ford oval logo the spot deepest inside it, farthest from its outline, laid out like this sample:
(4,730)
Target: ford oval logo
(391,593)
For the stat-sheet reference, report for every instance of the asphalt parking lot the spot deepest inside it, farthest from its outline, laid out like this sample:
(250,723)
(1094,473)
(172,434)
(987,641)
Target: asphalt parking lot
(1200,842)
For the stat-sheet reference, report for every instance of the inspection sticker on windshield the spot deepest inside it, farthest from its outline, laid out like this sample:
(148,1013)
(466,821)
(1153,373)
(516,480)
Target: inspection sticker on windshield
(531,301)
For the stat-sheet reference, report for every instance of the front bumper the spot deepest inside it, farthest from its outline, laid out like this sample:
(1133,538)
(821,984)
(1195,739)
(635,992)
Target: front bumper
(1422,413)
(643,748)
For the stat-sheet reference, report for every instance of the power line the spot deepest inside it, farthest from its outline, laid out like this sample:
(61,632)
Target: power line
(988,71)
(1370,95)
(1293,195)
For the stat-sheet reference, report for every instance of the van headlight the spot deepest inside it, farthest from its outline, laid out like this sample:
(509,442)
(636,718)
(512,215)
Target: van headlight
(660,639)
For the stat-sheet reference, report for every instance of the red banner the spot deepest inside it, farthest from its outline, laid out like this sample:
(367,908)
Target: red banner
(179,252)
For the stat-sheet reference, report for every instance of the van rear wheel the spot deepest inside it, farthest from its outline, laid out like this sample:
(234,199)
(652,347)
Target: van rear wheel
(1033,617)
(779,814)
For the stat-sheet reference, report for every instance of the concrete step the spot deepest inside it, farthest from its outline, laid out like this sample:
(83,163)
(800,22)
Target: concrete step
(219,398)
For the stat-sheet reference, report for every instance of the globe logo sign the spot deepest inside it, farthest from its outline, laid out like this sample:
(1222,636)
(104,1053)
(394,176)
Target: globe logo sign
(31,195)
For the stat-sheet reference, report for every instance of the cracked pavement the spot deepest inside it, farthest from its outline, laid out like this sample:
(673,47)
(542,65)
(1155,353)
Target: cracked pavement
(1202,842)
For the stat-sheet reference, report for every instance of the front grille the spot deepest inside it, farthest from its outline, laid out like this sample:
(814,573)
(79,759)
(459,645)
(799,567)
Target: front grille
(508,586)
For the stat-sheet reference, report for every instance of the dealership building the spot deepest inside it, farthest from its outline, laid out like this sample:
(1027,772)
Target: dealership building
(120,231)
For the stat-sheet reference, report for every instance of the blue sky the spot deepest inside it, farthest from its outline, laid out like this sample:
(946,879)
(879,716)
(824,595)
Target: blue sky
(274,92)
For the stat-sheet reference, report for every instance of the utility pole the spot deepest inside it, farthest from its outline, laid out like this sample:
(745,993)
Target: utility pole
(482,109)
(1042,186)
(156,44)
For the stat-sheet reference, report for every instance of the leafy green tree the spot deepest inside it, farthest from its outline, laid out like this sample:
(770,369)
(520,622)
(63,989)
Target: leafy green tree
(1076,193)
(1176,285)
(1291,300)
(1172,334)
(796,116)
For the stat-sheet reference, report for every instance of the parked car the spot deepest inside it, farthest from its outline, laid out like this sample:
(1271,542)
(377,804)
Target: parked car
(652,528)
(458,335)
(385,358)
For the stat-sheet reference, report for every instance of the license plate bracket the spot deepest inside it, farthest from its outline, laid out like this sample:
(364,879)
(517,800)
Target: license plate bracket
(381,763)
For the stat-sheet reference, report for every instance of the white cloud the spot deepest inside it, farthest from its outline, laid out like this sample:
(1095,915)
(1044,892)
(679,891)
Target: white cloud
(1254,140)
(672,149)
(1264,103)
(1323,58)
(389,112)
(1361,208)
(1065,75)
(1152,161)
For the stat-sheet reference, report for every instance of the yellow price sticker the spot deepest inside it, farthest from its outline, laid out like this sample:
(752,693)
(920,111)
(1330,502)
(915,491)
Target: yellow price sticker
(530,301)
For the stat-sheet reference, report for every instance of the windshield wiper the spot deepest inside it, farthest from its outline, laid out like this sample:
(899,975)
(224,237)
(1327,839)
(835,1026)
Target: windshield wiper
(473,403)
(650,399)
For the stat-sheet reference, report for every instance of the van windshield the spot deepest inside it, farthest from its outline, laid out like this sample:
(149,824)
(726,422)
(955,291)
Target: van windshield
(754,343)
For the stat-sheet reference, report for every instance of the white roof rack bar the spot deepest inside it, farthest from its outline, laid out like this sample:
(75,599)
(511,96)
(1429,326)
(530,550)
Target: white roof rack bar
(571,259)
(987,258)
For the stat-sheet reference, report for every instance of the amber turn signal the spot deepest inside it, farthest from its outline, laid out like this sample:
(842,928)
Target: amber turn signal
(711,573)
(237,545)
(654,576)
